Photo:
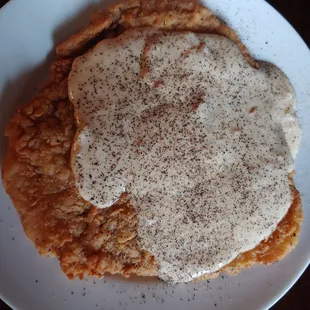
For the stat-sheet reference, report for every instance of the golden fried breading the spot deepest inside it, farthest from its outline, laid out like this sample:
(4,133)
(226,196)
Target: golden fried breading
(36,169)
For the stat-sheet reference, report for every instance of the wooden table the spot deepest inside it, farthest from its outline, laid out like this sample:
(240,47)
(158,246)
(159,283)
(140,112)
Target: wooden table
(297,13)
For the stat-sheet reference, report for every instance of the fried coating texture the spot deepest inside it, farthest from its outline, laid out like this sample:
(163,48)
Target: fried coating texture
(37,175)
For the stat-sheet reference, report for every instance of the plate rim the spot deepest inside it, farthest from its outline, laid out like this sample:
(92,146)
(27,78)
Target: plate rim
(301,270)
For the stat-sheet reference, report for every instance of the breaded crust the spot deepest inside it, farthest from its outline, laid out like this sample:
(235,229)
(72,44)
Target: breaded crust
(36,169)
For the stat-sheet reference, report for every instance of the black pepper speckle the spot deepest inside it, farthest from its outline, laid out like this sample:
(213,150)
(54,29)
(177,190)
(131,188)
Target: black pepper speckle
(194,135)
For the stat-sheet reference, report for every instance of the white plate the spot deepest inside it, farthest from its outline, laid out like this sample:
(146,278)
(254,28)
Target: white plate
(29,31)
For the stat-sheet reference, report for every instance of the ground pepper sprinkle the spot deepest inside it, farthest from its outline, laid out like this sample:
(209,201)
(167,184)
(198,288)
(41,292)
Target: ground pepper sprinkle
(201,142)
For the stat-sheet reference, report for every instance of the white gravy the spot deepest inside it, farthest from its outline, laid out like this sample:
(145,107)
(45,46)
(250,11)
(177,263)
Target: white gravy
(201,142)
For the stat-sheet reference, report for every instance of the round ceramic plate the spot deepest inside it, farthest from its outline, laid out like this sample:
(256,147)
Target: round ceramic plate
(29,31)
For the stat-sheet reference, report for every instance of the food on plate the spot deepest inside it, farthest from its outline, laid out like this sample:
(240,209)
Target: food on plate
(160,147)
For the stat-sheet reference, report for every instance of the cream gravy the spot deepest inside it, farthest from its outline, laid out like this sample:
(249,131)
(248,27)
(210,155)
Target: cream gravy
(201,142)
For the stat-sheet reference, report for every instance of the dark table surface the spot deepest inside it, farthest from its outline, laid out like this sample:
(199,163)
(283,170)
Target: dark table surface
(297,13)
